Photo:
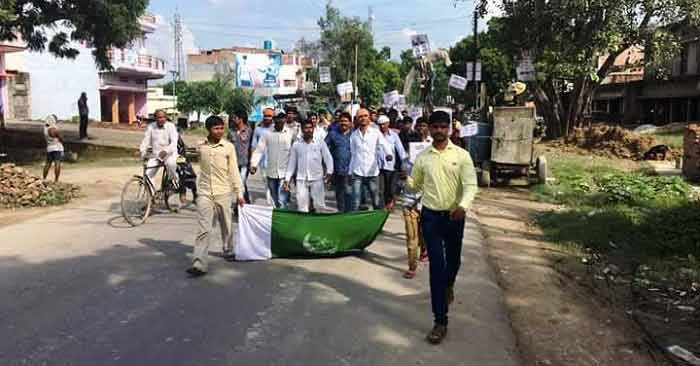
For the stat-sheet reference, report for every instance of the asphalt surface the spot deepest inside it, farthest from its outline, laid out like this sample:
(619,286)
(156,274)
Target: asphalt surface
(80,287)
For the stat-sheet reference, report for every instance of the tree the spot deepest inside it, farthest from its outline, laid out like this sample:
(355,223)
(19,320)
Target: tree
(567,37)
(168,87)
(101,24)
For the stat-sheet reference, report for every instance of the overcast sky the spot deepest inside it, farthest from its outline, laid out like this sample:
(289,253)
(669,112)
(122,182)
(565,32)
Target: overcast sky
(225,23)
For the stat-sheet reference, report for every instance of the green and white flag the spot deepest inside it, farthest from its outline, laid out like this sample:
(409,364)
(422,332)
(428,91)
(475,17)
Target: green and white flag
(264,232)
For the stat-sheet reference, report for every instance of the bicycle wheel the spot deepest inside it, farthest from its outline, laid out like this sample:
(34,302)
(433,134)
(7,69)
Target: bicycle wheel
(136,202)
(171,198)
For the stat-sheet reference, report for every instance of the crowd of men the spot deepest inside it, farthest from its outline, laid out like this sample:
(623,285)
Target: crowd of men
(366,161)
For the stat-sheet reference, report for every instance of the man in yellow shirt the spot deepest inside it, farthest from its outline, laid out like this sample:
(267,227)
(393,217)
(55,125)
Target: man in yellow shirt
(445,175)
(219,182)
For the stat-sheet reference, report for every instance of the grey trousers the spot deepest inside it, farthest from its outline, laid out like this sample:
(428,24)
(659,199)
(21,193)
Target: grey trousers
(210,208)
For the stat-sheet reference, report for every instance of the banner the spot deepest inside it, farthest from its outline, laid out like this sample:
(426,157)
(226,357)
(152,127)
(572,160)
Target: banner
(264,232)
(457,82)
(258,70)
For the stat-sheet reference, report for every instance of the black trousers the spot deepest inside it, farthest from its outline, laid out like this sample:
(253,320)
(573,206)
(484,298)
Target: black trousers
(83,126)
(390,182)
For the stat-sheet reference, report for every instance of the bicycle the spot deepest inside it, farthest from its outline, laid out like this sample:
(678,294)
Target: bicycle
(139,195)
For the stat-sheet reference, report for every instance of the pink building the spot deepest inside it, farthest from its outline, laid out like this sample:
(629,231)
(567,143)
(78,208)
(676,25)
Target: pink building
(123,91)
(6,47)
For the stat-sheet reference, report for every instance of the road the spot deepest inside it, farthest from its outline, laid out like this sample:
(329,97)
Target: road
(80,288)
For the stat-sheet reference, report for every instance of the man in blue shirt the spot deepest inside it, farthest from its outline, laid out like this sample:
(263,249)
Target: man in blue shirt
(338,142)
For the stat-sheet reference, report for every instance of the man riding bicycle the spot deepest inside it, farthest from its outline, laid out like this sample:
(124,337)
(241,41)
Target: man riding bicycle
(161,137)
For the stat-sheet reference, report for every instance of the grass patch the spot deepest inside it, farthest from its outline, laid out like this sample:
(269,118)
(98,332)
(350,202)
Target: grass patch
(672,139)
(634,213)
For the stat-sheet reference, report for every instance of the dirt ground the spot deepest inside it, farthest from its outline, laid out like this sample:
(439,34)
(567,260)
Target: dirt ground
(556,316)
(100,180)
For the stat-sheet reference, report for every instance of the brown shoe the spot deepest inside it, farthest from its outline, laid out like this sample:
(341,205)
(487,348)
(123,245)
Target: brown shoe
(450,294)
(437,334)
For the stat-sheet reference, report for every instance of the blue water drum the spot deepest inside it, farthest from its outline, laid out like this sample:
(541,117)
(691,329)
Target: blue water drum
(479,145)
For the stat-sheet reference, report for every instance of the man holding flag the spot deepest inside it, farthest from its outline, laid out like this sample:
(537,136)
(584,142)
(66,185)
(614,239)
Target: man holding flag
(445,175)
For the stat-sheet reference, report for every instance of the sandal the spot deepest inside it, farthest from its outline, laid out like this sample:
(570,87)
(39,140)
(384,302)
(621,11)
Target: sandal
(409,274)
(423,256)
(437,334)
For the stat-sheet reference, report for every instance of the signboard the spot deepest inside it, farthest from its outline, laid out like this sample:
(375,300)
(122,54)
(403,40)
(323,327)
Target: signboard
(470,71)
(457,82)
(420,45)
(415,148)
(344,88)
(258,70)
(324,74)
(469,130)
(391,98)
(526,69)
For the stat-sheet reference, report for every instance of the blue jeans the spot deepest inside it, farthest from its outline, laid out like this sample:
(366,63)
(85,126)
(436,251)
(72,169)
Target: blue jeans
(343,192)
(280,197)
(443,239)
(359,184)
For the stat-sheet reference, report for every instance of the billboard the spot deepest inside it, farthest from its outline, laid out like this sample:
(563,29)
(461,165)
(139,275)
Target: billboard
(258,70)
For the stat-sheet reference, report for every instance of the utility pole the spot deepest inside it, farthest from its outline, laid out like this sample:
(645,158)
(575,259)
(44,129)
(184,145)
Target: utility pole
(357,89)
(476,57)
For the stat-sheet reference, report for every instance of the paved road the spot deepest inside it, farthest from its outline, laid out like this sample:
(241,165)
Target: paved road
(80,288)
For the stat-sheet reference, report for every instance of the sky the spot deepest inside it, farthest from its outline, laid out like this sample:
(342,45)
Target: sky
(226,23)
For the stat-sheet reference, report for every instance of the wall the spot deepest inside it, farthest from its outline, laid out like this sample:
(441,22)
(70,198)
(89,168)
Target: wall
(56,83)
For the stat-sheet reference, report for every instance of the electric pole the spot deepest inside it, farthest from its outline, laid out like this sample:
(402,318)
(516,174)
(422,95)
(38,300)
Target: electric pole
(476,58)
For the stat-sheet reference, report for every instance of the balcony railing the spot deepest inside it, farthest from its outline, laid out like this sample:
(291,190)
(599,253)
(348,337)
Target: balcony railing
(132,60)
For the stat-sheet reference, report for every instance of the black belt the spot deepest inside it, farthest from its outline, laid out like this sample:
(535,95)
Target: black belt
(435,212)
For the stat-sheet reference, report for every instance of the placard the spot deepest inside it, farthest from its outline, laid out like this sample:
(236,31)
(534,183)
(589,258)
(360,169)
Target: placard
(457,82)
(391,98)
(470,71)
(415,148)
(420,45)
(344,88)
(469,130)
(324,74)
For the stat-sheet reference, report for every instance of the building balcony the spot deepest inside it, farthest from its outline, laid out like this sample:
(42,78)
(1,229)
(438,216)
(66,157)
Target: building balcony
(17,45)
(131,62)
(148,23)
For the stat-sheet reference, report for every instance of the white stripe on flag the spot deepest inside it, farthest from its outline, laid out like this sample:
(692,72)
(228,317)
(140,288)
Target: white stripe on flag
(254,238)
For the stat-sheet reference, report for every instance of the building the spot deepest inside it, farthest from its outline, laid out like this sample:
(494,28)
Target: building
(628,68)
(158,100)
(123,92)
(7,47)
(55,84)
(272,73)
(657,99)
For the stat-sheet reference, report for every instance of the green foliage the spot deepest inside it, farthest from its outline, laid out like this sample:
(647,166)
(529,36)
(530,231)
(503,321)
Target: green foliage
(640,214)
(168,87)
(215,97)
(102,24)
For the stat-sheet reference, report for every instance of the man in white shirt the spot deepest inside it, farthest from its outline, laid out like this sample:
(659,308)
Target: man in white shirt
(292,125)
(319,134)
(276,146)
(388,168)
(366,145)
(306,163)
(161,138)
(264,127)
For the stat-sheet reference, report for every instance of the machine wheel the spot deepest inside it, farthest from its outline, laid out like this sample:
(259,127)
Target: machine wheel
(541,170)
(485,175)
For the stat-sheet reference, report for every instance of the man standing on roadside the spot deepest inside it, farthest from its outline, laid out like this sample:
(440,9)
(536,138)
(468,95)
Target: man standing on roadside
(389,169)
(219,183)
(241,136)
(276,147)
(306,162)
(54,148)
(366,145)
(445,175)
(338,142)
(84,113)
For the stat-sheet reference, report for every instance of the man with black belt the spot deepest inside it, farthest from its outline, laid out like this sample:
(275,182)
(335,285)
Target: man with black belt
(445,175)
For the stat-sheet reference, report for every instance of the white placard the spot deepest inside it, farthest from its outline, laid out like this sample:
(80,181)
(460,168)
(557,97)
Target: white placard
(415,148)
(470,71)
(402,102)
(457,82)
(344,88)
(420,45)
(391,98)
(469,130)
(525,69)
(324,74)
